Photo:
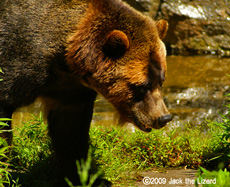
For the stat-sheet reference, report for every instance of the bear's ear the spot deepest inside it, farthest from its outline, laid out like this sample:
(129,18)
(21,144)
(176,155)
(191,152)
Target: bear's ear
(116,44)
(162,27)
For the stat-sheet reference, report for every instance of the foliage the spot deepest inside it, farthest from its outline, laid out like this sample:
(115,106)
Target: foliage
(31,158)
(212,179)
(83,169)
(31,145)
(5,176)
(119,152)
(224,153)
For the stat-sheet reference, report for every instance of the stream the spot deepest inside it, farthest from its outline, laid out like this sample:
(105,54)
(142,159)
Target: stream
(195,90)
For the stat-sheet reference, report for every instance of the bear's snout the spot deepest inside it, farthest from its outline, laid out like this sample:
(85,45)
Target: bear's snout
(163,120)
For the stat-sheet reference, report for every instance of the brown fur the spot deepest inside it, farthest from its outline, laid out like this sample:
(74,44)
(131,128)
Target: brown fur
(141,62)
(66,52)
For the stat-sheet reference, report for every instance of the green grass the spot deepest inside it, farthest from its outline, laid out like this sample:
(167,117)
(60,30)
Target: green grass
(5,176)
(31,144)
(120,153)
(219,178)
(84,168)
(117,153)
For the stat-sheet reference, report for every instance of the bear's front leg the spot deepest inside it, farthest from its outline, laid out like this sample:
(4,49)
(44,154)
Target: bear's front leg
(69,130)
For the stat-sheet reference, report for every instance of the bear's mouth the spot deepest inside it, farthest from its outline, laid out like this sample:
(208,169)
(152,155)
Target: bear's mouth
(141,126)
(148,126)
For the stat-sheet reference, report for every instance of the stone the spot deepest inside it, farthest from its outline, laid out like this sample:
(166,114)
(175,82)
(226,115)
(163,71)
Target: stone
(195,27)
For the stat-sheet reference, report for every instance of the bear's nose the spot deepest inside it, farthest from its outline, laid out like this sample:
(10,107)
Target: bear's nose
(164,119)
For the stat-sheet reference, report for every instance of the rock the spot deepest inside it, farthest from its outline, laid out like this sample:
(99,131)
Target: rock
(195,26)
(149,7)
(142,5)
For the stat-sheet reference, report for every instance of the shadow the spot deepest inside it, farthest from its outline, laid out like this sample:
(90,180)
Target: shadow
(42,174)
(45,173)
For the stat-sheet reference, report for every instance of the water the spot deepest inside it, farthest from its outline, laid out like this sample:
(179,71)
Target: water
(195,90)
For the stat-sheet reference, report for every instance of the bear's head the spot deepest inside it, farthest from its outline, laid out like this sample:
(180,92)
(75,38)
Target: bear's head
(118,52)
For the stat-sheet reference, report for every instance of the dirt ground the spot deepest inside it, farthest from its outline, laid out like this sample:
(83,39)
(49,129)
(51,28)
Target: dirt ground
(168,178)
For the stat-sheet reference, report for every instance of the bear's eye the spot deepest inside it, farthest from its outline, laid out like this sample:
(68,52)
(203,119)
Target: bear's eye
(139,92)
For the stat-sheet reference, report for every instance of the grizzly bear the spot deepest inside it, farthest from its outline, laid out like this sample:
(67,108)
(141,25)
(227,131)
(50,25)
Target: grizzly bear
(65,52)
